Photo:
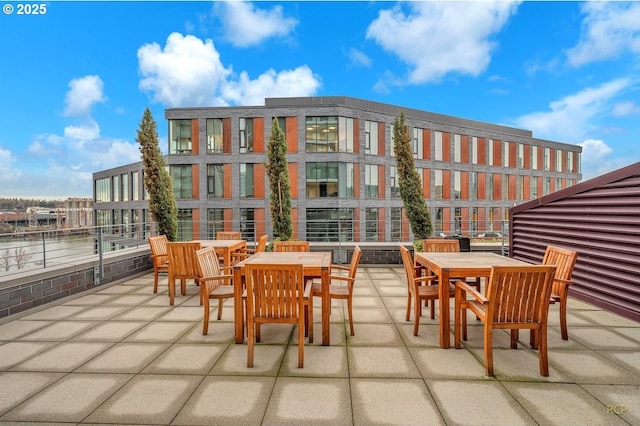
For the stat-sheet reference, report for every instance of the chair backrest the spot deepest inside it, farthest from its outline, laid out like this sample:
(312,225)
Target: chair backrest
(355,261)
(262,243)
(299,246)
(275,292)
(409,269)
(158,246)
(564,261)
(441,245)
(209,266)
(182,259)
(228,235)
(519,294)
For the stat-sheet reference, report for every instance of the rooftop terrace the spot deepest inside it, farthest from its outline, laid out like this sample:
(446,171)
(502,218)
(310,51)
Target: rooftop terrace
(122,355)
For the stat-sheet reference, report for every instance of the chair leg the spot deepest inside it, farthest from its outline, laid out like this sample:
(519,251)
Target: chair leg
(457,314)
(350,309)
(172,290)
(488,350)
(463,320)
(250,343)
(155,281)
(309,319)
(542,351)
(416,315)
(514,338)
(563,318)
(301,343)
(408,316)
(205,325)
(433,309)
(183,286)
(220,305)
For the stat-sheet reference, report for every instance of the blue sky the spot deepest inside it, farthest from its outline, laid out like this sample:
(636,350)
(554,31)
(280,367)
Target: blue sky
(76,80)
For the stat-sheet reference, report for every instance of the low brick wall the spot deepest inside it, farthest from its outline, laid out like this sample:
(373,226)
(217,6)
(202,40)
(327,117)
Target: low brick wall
(34,288)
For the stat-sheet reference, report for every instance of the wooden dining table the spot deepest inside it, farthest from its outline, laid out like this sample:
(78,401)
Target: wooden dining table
(225,248)
(315,265)
(464,264)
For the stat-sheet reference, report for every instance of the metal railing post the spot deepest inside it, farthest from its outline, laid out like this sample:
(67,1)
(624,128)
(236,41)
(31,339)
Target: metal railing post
(44,251)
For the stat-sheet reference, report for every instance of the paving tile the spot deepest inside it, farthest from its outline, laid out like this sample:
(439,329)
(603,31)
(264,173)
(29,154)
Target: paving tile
(577,407)
(124,358)
(12,353)
(16,387)
(65,357)
(602,338)
(55,312)
(59,331)
(375,335)
(428,334)
(147,399)
(111,331)
(71,399)
(89,300)
(393,402)
(627,359)
(619,400)
(186,359)
(478,403)
(116,289)
(520,364)
(15,329)
(376,315)
(267,360)
(367,361)
(161,332)
(227,401)
(603,319)
(219,332)
(184,313)
(320,401)
(130,299)
(587,367)
(142,313)
(99,313)
(438,363)
(319,361)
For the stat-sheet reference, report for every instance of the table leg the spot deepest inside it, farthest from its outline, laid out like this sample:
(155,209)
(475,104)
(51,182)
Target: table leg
(326,309)
(443,296)
(238,309)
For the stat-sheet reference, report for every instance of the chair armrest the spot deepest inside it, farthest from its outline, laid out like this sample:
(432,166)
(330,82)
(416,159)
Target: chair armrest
(307,289)
(227,268)
(426,278)
(563,281)
(221,277)
(340,267)
(462,286)
(341,277)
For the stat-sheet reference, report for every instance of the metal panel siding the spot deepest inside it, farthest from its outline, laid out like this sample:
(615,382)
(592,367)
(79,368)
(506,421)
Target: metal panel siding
(599,219)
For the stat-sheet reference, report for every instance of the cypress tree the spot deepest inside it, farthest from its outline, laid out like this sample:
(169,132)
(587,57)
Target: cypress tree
(411,193)
(279,183)
(162,202)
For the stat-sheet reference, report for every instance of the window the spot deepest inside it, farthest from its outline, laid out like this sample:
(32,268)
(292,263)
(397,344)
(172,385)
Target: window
(520,159)
(135,186)
(371,226)
(559,163)
(330,179)
(547,159)
(438,223)
(248,224)
(547,186)
(437,181)
(474,150)
(457,185)
(505,157)
(124,181)
(215,181)
(490,144)
(437,143)
(182,182)
(214,136)
(490,186)
(329,134)
(393,182)
(335,224)
(246,180)
(179,136)
(396,224)
(533,191)
(215,222)
(371,137)
(534,158)
(116,188)
(371,181)
(103,191)
(473,185)
(185,224)
(570,168)
(457,148)
(246,135)
(417,144)
(345,128)
(521,188)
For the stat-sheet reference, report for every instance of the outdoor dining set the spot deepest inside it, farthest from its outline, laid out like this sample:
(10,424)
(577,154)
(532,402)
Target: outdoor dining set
(279,286)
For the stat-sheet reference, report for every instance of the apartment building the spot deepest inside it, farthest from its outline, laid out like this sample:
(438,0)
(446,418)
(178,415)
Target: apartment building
(342,169)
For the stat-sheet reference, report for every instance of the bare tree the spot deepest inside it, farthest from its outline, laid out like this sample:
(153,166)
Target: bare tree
(21,256)
(5,259)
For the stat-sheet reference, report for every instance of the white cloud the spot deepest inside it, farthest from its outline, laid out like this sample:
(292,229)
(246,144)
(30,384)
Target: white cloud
(623,109)
(6,163)
(438,38)
(358,58)
(189,72)
(573,117)
(84,93)
(596,159)
(245,25)
(608,29)
(85,132)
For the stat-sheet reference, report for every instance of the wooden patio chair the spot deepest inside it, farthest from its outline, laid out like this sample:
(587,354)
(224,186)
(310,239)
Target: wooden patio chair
(182,266)
(517,298)
(158,246)
(215,282)
(564,261)
(276,294)
(416,291)
(228,235)
(345,276)
(299,246)
(248,252)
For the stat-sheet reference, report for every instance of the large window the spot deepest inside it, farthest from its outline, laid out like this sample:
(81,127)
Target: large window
(559,164)
(329,134)
(103,191)
(437,144)
(457,184)
(179,136)
(520,162)
(490,145)
(248,224)
(505,157)
(394,183)
(417,144)
(330,179)
(372,226)
(182,182)
(246,135)
(215,222)
(135,186)
(474,150)
(214,136)
(535,165)
(473,186)
(330,224)
(533,191)
(215,181)
(570,167)
(371,137)
(396,224)
(185,224)
(125,186)
(246,180)
(438,184)
(457,148)
(116,188)
(547,159)
(371,181)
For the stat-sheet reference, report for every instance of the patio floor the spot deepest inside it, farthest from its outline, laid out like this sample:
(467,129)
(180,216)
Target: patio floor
(122,355)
